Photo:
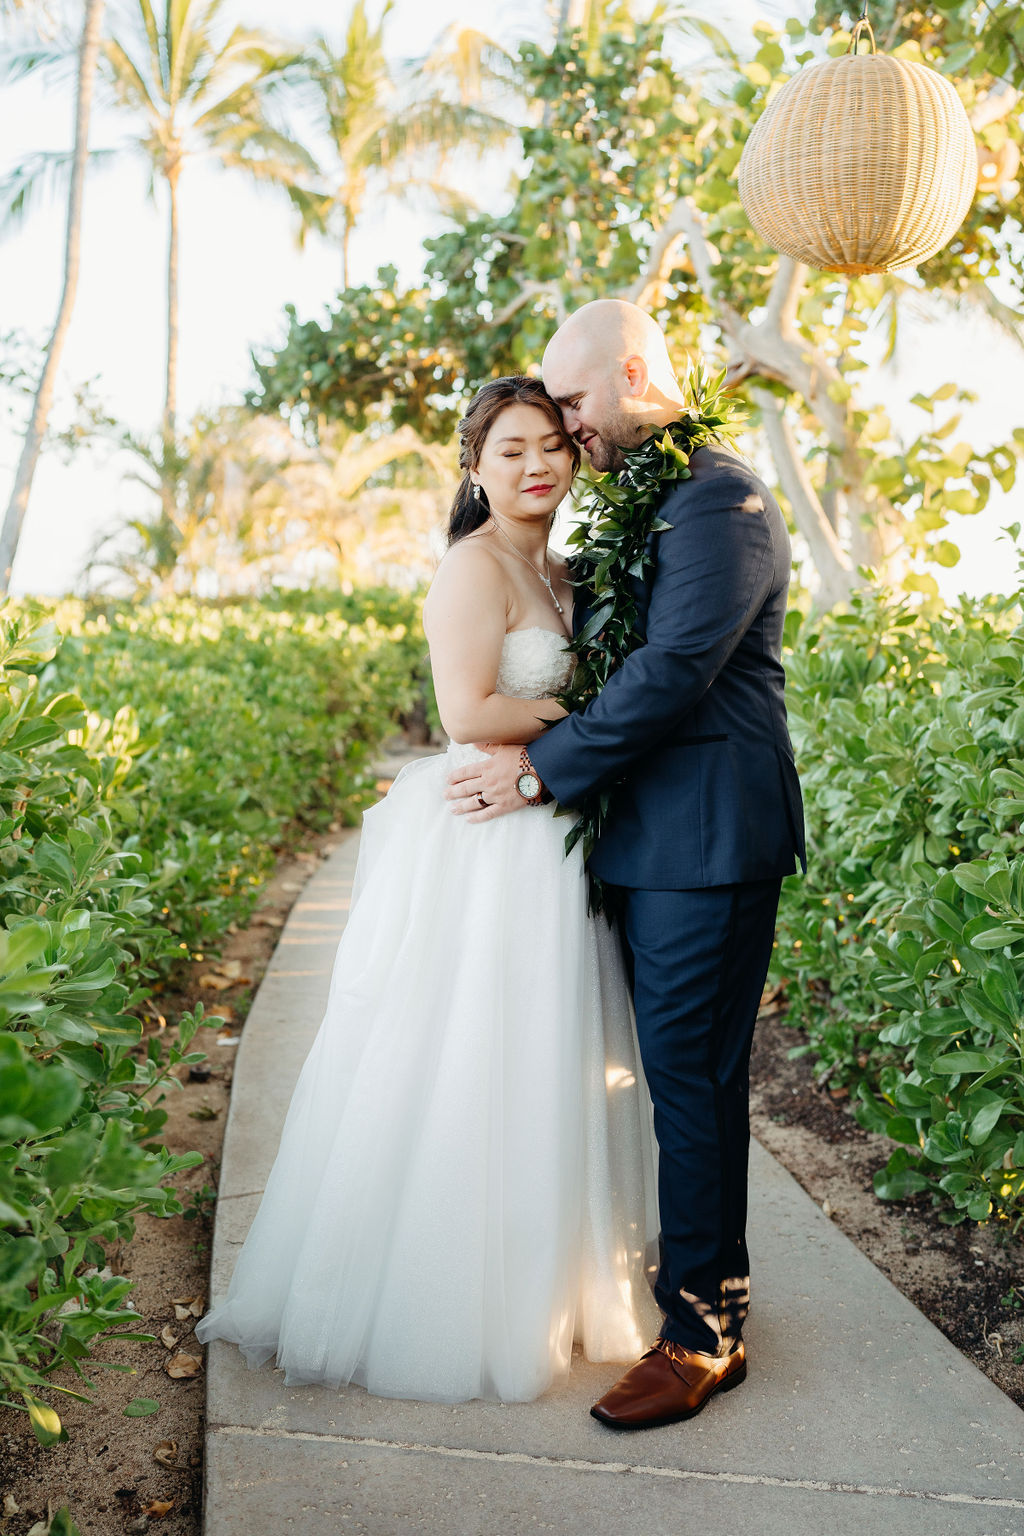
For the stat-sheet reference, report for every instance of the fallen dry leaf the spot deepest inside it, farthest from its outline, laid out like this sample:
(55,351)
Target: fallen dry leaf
(268,920)
(10,1507)
(232,968)
(204,1112)
(159,1508)
(218,983)
(178,1367)
(290,885)
(168,1337)
(194,1306)
(166,1453)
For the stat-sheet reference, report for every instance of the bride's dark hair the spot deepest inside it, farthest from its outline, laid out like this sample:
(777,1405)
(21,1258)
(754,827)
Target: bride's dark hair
(470,511)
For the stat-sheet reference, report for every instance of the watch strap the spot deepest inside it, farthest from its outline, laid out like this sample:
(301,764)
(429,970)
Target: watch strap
(525,766)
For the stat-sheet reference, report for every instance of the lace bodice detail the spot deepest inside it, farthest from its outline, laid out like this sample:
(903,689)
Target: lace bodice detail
(534,663)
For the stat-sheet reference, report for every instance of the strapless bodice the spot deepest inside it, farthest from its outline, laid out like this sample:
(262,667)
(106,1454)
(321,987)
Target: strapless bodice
(535,663)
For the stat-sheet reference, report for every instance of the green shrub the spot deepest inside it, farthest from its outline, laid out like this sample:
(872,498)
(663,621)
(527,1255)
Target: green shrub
(952,973)
(130,830)
(908,730)
(238,720)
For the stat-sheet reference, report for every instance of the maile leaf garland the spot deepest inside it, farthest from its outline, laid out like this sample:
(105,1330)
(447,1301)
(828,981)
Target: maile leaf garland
(611,554)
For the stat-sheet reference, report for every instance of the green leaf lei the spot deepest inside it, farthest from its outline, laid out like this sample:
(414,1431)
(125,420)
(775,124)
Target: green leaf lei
(610,552)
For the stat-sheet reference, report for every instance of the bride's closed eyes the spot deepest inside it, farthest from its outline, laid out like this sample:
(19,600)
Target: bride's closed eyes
(515,453)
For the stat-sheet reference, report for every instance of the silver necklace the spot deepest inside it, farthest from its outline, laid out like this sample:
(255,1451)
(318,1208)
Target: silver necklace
(527,561)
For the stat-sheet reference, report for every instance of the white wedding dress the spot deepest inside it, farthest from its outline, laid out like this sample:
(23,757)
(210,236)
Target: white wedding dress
(466,1178)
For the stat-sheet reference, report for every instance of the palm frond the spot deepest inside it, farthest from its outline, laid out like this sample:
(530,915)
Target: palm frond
(245,100)
(127,80)
(980,298)
(155,43)
(436,126)
(314,208)
(191,46)
(682,18)
(468,59)
(432,190)
(56,61)
(266,155)
(39,176)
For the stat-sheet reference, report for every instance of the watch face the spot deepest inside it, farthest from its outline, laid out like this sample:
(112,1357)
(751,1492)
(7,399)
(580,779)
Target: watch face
(528,785)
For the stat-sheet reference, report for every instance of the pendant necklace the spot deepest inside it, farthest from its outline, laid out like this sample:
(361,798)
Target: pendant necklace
(527,561)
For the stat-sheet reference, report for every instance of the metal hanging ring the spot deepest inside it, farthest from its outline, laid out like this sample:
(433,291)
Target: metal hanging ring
(861,27)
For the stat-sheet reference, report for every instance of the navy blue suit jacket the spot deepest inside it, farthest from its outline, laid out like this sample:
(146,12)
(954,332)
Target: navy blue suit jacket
(691,730)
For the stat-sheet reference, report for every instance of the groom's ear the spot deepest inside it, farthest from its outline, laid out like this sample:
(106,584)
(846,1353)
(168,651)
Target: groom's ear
(637,375)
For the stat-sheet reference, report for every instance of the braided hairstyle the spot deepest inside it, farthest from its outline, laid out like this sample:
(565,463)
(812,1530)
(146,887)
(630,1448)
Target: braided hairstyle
(470,511)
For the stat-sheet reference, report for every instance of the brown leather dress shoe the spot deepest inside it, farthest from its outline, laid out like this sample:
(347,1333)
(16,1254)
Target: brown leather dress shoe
(667,1384)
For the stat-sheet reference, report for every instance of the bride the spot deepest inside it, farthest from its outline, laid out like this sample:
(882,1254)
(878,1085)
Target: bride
(465,1180)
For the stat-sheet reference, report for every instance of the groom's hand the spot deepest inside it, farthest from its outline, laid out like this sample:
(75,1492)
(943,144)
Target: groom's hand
(493,780)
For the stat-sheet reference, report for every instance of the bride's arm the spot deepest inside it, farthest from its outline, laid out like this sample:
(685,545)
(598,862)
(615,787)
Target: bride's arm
(465,617)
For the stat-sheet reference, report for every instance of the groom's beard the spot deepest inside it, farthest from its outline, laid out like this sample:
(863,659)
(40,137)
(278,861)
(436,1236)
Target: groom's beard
(605,448)
(605,457)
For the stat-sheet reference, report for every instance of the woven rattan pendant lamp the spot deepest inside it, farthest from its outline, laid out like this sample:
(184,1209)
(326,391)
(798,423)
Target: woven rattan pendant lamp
(860,164)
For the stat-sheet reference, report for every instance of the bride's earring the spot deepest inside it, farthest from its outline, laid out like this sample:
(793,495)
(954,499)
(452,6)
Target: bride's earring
(476,493)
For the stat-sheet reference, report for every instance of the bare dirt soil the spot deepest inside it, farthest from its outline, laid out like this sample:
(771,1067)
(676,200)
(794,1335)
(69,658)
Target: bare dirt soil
(108,1472)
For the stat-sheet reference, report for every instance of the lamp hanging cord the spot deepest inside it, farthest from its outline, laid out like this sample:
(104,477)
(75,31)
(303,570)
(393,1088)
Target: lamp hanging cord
(862,28)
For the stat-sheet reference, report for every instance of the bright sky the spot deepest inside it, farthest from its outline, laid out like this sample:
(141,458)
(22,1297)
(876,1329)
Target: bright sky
(240,265)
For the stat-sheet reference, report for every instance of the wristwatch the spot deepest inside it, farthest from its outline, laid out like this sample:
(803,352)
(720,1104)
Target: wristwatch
(528,783)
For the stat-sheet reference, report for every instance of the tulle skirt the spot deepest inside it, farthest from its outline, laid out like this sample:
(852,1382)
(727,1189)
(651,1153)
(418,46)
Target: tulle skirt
(465,1182)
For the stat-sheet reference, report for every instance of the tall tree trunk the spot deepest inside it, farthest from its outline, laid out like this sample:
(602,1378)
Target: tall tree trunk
(14,517)
(171,395)
(346,236)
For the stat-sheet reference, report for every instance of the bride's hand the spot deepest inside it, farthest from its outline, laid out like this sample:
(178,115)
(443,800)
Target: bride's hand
(483,790)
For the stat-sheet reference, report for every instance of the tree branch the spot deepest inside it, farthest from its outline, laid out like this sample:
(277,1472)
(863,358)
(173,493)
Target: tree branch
(994,106)
(660,258)
(528,291)
(780,311)
(831,561)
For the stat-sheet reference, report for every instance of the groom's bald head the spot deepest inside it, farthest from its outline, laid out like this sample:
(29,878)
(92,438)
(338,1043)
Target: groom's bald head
(609,370)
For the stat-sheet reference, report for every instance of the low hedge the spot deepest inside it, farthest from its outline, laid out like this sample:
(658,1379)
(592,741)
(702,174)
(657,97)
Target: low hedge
(903,949)
(151,761)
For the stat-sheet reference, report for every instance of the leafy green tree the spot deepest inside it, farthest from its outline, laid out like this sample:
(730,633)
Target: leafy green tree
(964,37)
(633,192)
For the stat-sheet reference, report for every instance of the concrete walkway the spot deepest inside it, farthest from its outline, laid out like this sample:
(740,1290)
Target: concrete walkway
(858,1416)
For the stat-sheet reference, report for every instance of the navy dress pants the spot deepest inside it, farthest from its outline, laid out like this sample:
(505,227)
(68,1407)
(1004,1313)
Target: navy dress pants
(699,960)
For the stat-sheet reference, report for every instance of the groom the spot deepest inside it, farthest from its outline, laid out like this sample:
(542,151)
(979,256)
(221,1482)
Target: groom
(705,821)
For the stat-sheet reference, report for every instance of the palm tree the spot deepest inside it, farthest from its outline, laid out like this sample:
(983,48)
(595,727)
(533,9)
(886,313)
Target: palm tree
(194,94)
(199,95)
(240,499)
(382,133)
(14,517)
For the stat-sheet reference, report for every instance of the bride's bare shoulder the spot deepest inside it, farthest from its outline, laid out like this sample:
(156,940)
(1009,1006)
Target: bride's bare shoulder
(470,566)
